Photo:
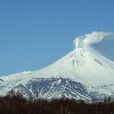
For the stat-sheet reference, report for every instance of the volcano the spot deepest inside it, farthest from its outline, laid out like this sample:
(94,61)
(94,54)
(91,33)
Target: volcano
(83,74)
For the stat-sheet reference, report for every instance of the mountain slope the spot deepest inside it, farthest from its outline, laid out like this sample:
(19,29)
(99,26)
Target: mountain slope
(83,68)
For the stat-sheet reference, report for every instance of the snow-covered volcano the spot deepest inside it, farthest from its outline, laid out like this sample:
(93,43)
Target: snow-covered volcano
(81,74)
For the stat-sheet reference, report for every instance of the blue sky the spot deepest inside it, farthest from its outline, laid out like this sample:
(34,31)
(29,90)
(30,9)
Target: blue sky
(35,33)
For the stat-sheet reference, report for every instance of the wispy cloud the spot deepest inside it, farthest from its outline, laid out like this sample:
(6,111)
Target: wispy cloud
(91,38)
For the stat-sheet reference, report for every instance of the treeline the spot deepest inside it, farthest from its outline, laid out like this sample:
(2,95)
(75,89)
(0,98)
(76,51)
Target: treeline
(19,105)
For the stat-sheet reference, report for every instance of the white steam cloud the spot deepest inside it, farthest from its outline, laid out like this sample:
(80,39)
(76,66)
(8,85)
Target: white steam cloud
(88,39)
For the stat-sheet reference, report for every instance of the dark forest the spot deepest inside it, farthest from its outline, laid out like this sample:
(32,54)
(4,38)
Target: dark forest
(19,105)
